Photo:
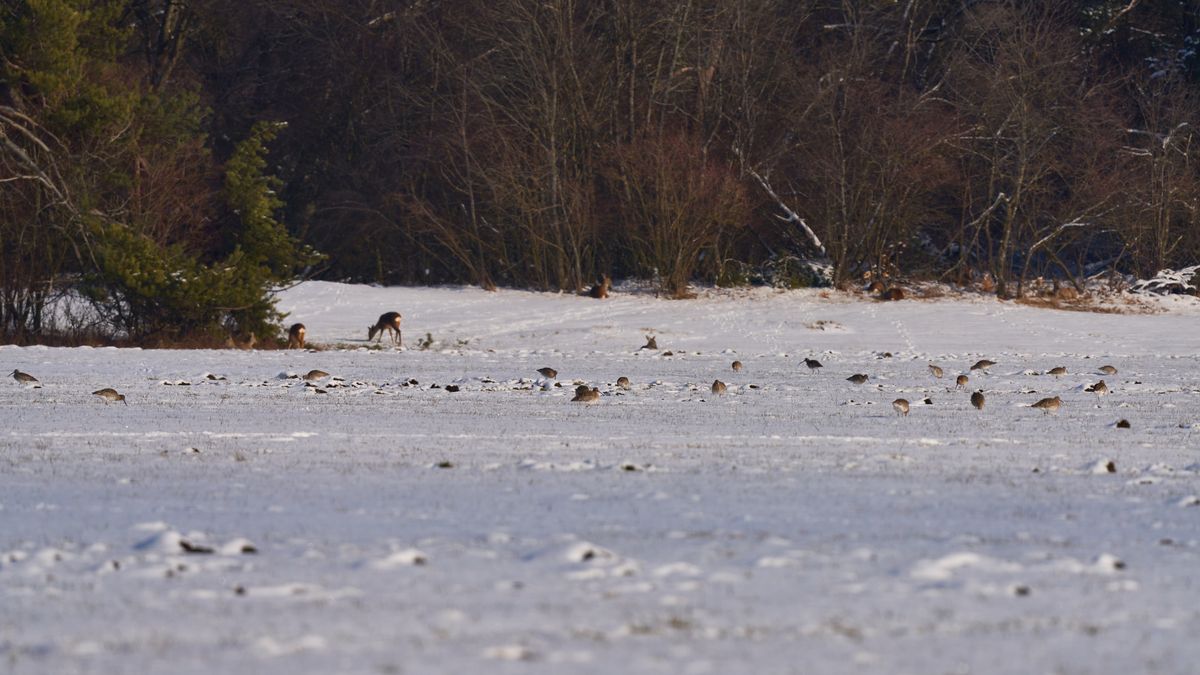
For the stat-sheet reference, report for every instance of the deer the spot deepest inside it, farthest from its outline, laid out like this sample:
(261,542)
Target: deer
(389,322)
(296,336)
(1064,292)
(600,290)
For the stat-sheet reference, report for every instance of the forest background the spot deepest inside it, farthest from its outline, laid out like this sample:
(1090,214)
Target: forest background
(167,164)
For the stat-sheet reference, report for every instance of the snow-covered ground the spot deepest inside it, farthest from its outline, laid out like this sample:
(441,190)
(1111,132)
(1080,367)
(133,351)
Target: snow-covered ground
(795,525)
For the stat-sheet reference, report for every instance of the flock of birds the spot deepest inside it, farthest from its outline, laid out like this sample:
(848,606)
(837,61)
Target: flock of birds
(1047,405)
(1052,404)
(390,322)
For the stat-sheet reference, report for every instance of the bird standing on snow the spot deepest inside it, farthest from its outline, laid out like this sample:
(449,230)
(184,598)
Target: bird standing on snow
(110,395)
(977,400)
(1098,389)
(935,370)
(900,405)
(1048,405)
(1107,370)
(961,381)
(24,378)
(857,378)
(583,394)
(548,372)
(737,366)
(1057,371)
(718,388)
(813,364)
(983,364)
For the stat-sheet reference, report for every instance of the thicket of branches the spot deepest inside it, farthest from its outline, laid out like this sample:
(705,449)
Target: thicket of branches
(541,143)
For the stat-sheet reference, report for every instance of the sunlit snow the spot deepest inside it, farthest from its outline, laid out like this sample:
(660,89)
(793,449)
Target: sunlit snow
(236,518)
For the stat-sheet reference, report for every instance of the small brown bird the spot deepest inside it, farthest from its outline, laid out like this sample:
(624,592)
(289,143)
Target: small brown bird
(935,370)
(983,364)
(1048,405)
(961,381)
(977,400)
(623,382)
(585,395)
(1057,371)
(1098,389)
(548,372)
(718,388)
(813,364)
(24,378)
(737,366)
(1107,370)
(110,395)
(314,375)
(651,343)
(900,406)
(857,378)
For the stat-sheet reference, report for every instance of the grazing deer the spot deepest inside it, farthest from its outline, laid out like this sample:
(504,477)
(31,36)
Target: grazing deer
(389,322)
(296,336)
(600,290)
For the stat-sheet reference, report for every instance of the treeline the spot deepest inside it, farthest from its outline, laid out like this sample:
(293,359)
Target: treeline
(116,221)
(541,143)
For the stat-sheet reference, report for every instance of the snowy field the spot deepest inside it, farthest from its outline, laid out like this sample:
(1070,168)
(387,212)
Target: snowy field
(253,524)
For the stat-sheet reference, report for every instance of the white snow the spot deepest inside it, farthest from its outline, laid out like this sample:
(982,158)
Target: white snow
(233,519)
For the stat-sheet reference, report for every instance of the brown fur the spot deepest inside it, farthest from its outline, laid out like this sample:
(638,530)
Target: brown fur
(1065,292)
(388,321)
(600,290)
(296,336)
(893,293)
(987,284)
